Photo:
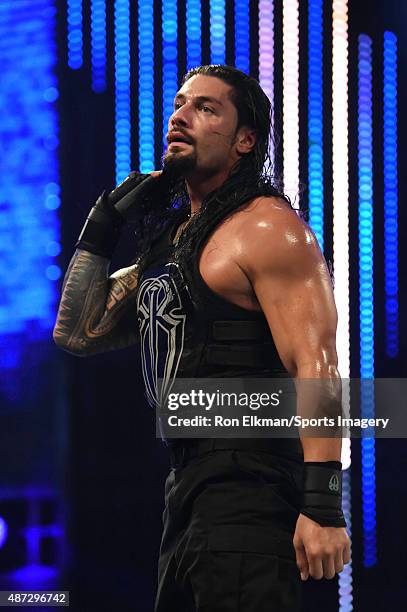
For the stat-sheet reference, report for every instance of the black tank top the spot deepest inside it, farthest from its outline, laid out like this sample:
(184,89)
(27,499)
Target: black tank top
(189,331)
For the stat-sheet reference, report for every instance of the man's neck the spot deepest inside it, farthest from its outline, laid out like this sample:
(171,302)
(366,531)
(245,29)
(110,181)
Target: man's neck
(198,188)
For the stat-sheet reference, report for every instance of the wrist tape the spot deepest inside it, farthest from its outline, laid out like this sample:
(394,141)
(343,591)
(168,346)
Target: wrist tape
(322,493)
(102,229)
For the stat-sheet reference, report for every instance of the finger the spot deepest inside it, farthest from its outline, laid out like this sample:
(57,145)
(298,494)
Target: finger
(302,561)
(315,566)
(339,561)
(328,564)
(141,189)
(133,179)
(346,552)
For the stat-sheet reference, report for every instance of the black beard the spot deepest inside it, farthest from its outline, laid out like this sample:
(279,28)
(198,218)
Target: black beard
(177,166)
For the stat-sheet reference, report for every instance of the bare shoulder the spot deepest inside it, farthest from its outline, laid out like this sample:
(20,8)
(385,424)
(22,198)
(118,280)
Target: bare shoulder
(273,234)
(265,214)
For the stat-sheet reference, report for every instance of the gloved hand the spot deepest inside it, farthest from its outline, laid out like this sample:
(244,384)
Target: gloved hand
(102,228)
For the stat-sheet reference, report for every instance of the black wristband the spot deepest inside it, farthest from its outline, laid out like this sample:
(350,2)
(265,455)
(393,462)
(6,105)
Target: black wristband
(102,229)
(322,493)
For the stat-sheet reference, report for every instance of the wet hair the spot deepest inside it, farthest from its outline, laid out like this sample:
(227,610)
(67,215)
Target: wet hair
(253,172)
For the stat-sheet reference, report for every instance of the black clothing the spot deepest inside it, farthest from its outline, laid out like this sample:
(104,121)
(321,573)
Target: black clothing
(229,520)
(230,514)
(189,331)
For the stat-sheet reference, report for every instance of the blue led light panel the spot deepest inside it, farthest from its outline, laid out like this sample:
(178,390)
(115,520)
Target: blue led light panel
(146,85)
(390,192)
(98,44)
(170,57)
(315,121)
(193,33)
(122,88)
(242,35)
(75,34)
(29,189)
(217,31)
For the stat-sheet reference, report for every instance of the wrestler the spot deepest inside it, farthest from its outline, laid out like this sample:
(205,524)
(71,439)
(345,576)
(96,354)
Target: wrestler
(229,282)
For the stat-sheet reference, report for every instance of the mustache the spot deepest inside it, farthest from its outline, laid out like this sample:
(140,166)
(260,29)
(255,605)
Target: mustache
(181,132)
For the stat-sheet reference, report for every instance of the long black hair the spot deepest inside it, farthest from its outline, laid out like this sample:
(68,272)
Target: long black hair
(253,172)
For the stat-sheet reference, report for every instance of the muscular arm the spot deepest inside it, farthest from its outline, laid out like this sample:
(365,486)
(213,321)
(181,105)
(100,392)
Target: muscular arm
(292,284)
(97,312)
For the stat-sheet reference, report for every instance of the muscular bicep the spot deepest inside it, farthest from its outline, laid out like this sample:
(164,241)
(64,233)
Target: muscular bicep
(97,312)
(293,287)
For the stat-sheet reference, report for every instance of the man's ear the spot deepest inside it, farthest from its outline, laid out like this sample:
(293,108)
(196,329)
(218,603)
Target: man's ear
(245,140)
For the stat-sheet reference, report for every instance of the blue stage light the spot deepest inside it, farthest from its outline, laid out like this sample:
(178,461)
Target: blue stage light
(315,121)
(75,36)
(53,272)
(98,44)
(3,531)
(170,61)
(193,33)
(390,193)
(146,85)
(122,89)
(366,298)
(242,35)
(29,189)
(217,31)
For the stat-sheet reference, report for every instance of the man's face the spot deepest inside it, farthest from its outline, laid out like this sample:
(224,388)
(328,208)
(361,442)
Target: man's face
(206,118)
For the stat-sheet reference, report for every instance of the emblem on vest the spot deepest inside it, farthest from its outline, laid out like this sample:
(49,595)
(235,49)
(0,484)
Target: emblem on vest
(162,327)
(334,483)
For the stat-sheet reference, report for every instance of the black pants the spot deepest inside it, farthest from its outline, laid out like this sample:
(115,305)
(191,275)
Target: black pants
(229,521)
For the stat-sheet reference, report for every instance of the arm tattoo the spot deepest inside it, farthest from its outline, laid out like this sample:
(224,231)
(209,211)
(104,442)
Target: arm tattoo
(97,312)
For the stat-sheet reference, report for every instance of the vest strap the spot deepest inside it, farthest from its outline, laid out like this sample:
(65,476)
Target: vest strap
(240,330)
(251,356)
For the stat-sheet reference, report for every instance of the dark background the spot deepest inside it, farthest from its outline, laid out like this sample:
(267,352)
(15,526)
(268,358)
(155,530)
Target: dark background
(109,466)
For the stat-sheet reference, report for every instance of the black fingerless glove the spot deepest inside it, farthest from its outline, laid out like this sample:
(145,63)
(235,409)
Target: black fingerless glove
(102,229)
(103,226)
(322,493)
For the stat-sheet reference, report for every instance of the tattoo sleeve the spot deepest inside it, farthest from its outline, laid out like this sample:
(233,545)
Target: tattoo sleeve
(97,312)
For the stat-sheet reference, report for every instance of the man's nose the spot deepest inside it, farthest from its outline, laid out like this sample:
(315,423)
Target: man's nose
(179,116)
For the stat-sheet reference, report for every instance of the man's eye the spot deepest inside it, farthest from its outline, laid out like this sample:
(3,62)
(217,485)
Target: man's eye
(206,109)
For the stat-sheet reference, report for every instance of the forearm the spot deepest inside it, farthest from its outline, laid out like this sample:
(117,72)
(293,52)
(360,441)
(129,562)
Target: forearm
(91,315)
(97,313)
(321,449)
(319,396)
